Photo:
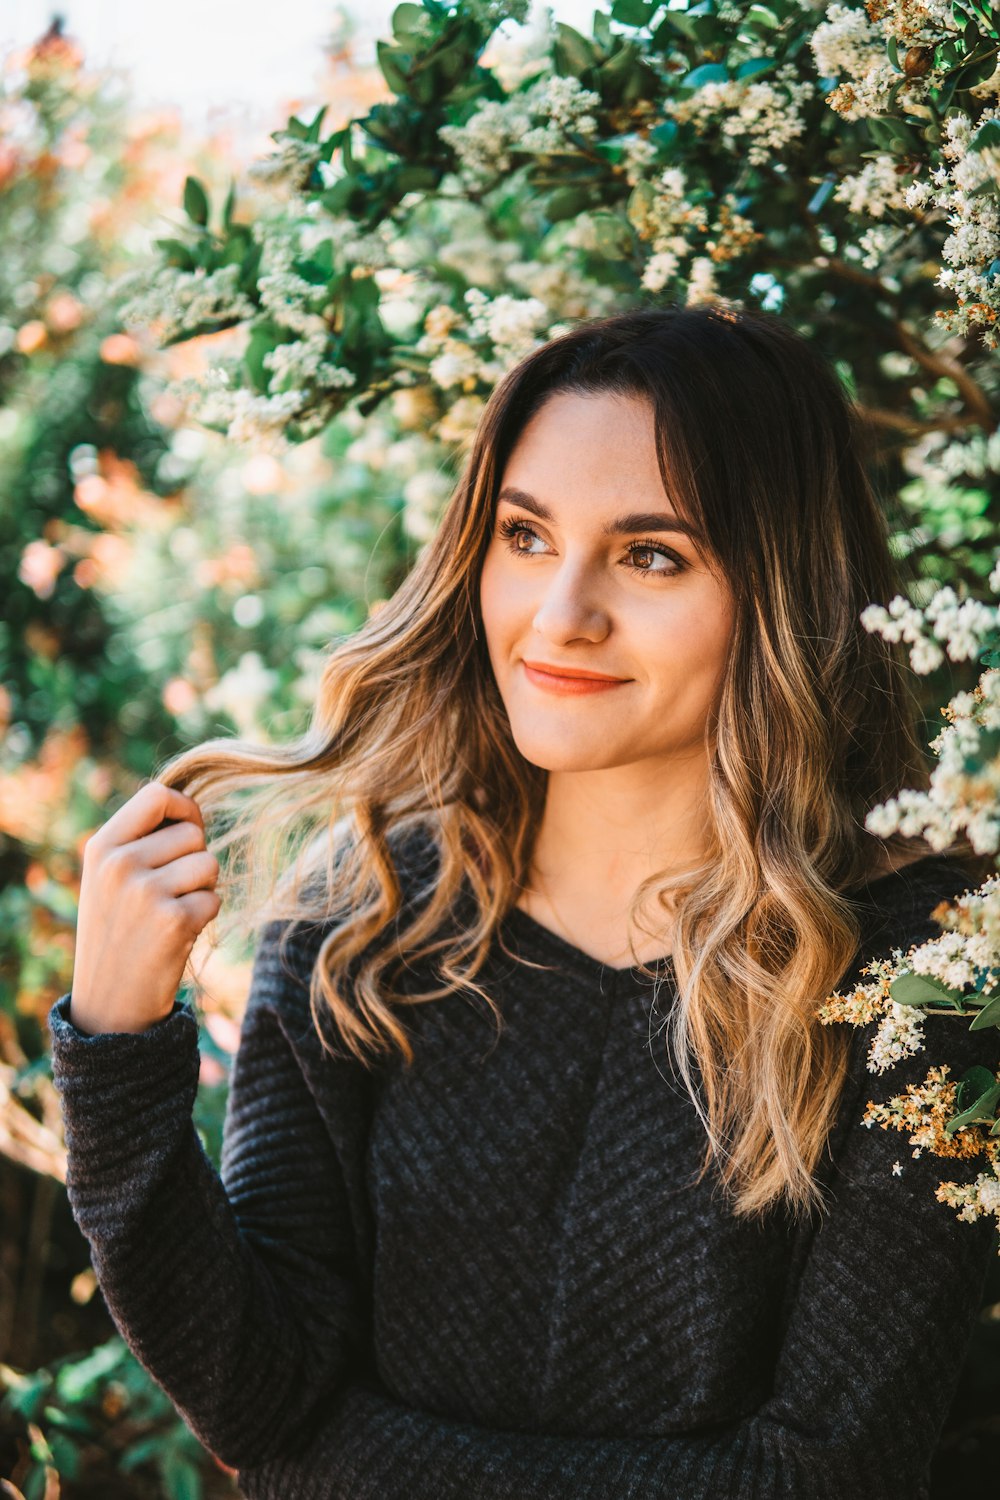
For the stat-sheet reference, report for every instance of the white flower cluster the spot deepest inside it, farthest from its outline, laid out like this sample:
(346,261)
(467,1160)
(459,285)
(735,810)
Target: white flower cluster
(974,1199)
(512,324)
(663,215)
(249,418)
(701,282)
(975,220)
(957,798)
(491,13)
(301,362)
(954,957)
(876,189)
(288,297)
(558,285)
(536,119)
(286,170)
(900,1033)
(940,457)
(424,494)
(756,118)
(243,692)
(666,218)
(851,43)
(178,302)
(962,625)
(638,152)
(848,42)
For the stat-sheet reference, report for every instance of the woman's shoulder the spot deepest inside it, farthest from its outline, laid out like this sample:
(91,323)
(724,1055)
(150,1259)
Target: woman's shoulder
(898,903)
(287,947)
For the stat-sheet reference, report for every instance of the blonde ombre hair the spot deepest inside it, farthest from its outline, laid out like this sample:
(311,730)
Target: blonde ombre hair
(815,723)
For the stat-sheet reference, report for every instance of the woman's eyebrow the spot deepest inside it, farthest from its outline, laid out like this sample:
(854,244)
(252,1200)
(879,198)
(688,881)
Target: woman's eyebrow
(640,520)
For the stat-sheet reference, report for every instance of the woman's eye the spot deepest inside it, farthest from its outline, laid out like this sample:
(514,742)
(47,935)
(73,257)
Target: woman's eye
(513,527)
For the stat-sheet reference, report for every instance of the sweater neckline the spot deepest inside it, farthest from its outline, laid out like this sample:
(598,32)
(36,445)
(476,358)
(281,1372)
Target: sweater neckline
(549,944)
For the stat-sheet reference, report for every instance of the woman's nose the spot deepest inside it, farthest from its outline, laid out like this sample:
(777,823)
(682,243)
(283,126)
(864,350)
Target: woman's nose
(571,601)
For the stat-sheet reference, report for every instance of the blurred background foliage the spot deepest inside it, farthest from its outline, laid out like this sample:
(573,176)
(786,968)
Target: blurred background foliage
(234,397)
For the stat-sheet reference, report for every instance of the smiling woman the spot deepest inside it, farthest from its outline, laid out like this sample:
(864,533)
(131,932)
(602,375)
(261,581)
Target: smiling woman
(442,1265)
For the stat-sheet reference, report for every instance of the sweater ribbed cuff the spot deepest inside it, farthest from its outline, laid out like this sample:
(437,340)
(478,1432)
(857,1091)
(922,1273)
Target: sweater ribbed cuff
(126,1101)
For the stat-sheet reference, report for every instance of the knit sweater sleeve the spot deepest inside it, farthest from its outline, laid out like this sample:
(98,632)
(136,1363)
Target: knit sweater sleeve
(236,1292)
(877,1329)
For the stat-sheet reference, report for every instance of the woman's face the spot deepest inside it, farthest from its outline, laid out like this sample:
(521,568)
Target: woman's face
(604,585)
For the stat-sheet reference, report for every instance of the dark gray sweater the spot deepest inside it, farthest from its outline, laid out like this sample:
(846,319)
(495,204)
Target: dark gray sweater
(487,1278)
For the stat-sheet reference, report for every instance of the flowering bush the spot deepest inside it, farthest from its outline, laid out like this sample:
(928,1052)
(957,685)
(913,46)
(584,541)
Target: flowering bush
(957,973)
(842,165)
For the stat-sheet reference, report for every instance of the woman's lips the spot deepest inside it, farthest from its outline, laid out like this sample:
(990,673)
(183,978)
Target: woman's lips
(549,682)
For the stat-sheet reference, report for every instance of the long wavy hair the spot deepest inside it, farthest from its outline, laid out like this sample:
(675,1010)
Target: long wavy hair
(816,722)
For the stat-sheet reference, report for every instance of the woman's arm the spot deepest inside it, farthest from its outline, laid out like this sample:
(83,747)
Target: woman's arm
(878,1330)
(237,1293)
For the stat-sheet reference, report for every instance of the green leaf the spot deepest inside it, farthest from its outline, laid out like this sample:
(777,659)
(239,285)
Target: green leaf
(69,1421)
(665,133)
(409,22)
(195,201)
(987,751)
(81,1379)
(640,201)
(763,16)
(978,1085)
(263,338)
(987,135)
(988,15)
(454,60)
(573,53)
(181,1480)
(921,989)
(617,67)
(672,24)
(423,86)
(65,1455)
(25,1394)
(334,142)
(976,73)
(707,73)
(988,1016)
(416,179)
(613,234)
(892,48)
(177,253)
(229,205)
(631,12)
(337,196)
(312,134)
(139,1452)
(566,203)
(392,72)
(755,65)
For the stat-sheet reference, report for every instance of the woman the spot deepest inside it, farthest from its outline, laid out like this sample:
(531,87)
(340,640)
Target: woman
(449,1258)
